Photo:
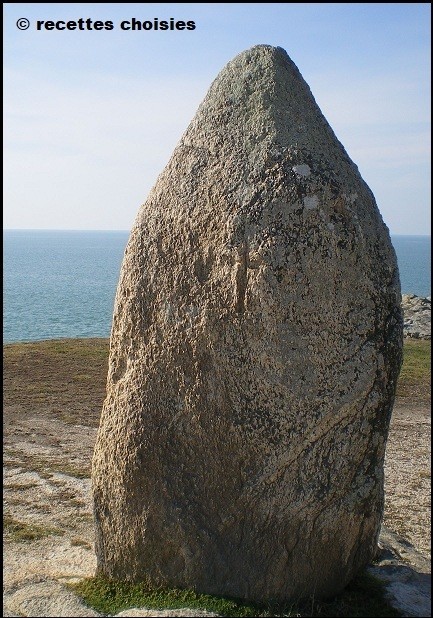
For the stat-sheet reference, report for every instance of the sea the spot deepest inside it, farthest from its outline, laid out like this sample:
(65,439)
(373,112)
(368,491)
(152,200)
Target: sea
(61,284)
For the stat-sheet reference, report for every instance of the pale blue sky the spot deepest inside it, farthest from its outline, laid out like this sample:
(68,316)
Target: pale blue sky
(92,117)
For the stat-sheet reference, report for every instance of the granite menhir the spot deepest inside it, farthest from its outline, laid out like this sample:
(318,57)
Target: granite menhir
(255,350)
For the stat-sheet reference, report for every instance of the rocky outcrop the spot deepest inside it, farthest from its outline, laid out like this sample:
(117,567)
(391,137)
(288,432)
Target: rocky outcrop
(405,573)
(417,316)
(255,351)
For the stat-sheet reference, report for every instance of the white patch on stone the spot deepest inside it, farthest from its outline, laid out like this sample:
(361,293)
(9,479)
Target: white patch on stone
(311,202)
(302,170)
(330,226)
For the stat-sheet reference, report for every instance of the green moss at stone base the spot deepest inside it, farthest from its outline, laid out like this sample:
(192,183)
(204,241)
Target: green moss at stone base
(364,597)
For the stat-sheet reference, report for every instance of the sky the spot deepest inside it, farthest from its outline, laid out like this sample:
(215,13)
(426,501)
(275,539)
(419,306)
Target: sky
(91,117)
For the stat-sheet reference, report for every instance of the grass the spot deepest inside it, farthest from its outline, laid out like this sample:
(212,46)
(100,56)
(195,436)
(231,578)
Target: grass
(364,597)
(65,377)
(44,466)
(20,532)
(68,469)
(19,486)
(415,376)
(76,542)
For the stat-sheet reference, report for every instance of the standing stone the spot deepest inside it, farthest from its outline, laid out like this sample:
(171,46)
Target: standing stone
(255,350)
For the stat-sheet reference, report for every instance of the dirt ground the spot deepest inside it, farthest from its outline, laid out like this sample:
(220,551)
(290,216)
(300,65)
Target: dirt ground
(52,403)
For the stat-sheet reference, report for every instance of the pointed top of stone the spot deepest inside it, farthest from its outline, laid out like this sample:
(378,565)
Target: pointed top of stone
(261,99)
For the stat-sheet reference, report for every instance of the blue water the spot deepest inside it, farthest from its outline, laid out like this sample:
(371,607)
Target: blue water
(62,283)
(414,263)
(59,284)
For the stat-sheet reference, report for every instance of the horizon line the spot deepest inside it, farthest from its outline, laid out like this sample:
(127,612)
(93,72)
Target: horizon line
(37,229)
(59,229)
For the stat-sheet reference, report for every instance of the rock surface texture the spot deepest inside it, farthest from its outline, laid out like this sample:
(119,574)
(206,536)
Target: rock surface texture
(255,349)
